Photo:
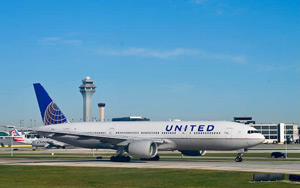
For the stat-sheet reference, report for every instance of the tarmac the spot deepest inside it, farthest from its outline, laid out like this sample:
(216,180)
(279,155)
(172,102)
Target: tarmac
(286,167)
(80,159)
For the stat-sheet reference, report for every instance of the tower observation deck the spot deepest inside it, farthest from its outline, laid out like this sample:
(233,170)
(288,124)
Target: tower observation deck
(87,89)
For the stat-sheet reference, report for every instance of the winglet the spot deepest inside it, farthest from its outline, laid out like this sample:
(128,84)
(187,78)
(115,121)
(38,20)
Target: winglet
(50,112)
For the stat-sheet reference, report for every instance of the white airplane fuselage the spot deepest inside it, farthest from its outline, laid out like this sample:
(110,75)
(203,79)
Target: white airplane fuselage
(176,135)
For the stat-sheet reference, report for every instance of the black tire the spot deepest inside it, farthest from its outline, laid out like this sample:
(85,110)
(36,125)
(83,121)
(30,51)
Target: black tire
(238,159)
(120,158)
(113,158)
(127,159)
(156,158)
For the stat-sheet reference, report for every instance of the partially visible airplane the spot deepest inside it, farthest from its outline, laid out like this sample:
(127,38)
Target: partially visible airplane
(36,142)
(145,139)
(18,137)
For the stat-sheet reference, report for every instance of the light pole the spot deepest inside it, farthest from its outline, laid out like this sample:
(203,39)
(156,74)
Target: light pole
(286,154)
(22,123)
(11,145)
(286,142)
(11,149)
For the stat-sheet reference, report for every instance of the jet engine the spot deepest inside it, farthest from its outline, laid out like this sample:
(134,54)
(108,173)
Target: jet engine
(193,152)
(142,149)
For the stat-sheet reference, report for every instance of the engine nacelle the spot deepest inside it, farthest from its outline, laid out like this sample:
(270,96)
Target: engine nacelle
(142,149)
(193,152)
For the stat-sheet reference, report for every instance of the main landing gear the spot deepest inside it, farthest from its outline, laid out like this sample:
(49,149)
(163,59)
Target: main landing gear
(156,158)
(239,157)
(120,157)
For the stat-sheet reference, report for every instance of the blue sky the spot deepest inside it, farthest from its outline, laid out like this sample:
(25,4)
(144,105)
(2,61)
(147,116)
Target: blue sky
(192,60)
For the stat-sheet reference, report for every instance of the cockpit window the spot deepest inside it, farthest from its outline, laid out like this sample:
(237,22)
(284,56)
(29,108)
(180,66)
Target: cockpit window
(252,131)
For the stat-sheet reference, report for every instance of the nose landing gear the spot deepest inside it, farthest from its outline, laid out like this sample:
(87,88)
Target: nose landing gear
(240,154)
(239,157)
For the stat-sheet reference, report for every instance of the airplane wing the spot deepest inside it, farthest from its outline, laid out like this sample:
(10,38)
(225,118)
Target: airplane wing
(119,140)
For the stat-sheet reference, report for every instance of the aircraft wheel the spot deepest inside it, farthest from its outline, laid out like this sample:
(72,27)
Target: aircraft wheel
(238,159)
(156,158)
(127,159)
(120,159)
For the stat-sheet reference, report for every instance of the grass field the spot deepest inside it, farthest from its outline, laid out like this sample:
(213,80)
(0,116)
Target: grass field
(46,177)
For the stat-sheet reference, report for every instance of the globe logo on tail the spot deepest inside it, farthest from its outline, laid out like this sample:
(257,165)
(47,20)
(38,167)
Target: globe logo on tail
(53,115)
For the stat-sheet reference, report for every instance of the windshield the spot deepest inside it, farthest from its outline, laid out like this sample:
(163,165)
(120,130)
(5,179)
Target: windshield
(253,131)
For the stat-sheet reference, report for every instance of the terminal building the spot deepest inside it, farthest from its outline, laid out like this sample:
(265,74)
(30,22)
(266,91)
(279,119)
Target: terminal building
(273,132)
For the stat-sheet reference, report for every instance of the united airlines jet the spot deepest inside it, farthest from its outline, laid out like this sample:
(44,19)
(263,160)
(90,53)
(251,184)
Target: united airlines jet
(145,139)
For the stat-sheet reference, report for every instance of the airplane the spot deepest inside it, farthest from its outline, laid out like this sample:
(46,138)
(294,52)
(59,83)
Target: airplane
(145,139)
(36,142)
(20,138)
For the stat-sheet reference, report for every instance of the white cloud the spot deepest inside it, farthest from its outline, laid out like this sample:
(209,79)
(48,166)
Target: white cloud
(53,41)
(270,68)
(50,40)
(74,42)
(225,57)
(147,52)
(199,2)
(219,8)
(277,68)
(173,53)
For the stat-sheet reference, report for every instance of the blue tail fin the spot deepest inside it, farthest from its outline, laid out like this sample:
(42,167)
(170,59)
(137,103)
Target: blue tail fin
(50,112)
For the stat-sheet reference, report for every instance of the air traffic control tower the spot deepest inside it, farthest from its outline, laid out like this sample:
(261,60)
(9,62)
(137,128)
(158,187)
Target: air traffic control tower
(87,89)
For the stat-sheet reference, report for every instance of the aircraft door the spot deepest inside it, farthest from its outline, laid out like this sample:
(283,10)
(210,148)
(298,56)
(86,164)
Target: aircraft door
(111,131)
(228,134)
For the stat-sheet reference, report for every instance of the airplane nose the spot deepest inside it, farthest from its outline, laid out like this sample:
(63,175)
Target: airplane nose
(262,138)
